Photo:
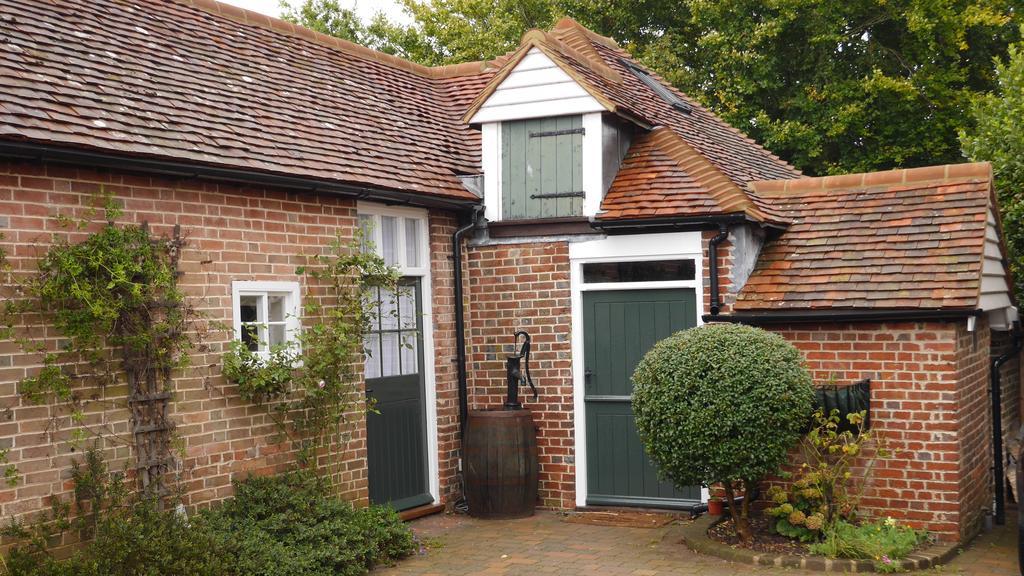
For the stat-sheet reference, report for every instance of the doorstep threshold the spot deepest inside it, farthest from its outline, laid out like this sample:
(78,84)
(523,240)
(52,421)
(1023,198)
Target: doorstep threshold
(420,511)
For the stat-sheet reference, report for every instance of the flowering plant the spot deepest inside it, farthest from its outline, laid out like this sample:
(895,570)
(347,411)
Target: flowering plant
(824,491)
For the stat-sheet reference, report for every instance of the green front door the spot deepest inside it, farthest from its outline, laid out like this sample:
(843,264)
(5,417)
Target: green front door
(396,431)
(619,327)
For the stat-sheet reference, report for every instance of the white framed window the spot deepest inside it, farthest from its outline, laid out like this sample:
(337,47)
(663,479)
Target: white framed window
(265,314)
(398,235)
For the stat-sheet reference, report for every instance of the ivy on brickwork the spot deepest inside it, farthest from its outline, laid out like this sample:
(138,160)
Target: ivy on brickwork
(310,388)
(10,471)
(114,300)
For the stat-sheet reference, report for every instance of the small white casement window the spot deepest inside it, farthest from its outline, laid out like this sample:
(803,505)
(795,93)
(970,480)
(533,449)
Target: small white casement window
(266,314)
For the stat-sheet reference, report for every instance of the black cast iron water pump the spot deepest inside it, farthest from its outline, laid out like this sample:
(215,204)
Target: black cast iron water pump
(517,370)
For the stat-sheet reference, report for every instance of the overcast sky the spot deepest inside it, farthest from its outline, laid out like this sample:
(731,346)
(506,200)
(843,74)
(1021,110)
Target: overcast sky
(365,8)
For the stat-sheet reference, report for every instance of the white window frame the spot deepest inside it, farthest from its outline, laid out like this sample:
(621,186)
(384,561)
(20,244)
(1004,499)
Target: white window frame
(293,305)
(426,310)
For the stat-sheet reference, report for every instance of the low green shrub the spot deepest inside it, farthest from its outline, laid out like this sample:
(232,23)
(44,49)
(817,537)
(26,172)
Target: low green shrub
(884,542)
(136,540)
(280,526)
(288,526)
(824,490)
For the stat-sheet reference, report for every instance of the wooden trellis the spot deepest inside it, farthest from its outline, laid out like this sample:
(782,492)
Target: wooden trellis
(150,387)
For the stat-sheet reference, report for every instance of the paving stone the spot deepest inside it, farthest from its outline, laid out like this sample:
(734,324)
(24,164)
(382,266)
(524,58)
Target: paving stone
(544,544)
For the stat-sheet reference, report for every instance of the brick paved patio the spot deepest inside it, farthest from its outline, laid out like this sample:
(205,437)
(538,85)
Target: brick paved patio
(544,544)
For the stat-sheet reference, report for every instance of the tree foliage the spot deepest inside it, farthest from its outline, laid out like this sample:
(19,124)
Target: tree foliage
(723,403)
(839,86)
(998,137)
(832,86)
(327,17)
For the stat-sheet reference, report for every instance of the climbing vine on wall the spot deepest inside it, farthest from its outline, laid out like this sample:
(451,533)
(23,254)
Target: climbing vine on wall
(10,471)
(311,387)
(122,320)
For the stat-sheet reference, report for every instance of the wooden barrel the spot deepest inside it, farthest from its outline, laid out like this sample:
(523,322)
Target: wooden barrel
(500,463)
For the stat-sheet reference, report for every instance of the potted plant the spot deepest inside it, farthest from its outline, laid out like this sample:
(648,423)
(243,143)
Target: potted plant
(716,507)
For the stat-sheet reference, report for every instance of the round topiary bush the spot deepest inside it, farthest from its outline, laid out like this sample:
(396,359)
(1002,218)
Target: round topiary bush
(722,403)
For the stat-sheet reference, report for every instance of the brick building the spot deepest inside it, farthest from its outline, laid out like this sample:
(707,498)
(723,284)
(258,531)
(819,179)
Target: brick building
(591,205)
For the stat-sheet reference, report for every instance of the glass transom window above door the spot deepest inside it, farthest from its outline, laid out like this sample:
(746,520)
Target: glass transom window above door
(397,238)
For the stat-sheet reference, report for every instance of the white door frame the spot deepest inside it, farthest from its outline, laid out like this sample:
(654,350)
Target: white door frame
(426,308)
(634,248)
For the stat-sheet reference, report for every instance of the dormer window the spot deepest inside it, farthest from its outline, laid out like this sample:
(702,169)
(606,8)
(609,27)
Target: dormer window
(550,149)
(542,168)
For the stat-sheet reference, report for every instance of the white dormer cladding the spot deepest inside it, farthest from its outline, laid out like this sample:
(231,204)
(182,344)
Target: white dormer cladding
(995,293)
(538,88)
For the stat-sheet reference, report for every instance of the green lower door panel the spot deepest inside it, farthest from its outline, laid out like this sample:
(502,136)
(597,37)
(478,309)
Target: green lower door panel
(396,444)
(396,431)
(619,328)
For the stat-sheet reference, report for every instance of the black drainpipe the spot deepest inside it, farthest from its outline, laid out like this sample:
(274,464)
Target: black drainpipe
(998,472)
(723,233)
(460,327)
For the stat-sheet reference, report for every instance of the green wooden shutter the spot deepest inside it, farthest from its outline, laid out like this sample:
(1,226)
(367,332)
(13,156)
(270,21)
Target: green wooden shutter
(542,168)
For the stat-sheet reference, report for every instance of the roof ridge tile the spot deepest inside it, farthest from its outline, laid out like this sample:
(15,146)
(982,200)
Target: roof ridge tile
(567,23)
(945,173)
(712,189)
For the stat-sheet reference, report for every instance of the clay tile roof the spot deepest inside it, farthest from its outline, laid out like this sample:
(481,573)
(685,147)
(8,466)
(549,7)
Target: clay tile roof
(597,64)
(900,239)
(202,82)
(736,155)
(663,176)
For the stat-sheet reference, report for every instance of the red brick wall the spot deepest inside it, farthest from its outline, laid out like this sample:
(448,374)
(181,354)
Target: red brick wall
(526,287)
(974,433)
(928,386)
(233,233)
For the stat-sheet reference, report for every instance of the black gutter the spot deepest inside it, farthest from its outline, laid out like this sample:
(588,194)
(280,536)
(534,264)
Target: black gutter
(184,169)
(460,325)
(998,472)
(798,316)
(670,223)
(716,297)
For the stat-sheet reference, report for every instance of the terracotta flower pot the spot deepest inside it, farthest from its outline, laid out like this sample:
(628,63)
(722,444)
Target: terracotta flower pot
(716,507)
